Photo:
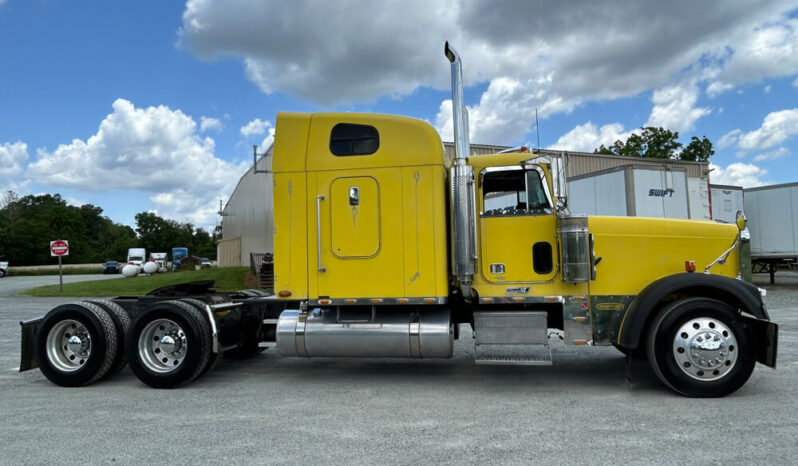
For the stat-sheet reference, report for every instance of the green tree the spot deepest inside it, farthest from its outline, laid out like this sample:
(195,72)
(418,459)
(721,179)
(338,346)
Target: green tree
(28,224)
(659,143)
(699,150)
(651,142)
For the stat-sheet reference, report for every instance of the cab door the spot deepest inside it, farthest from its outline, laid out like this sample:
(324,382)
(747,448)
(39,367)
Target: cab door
(517,226)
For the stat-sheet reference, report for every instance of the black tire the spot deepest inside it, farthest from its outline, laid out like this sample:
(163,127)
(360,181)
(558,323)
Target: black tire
(213,359)
(2,273)
(197,345)
(63,366)
(122,324)
(668,339)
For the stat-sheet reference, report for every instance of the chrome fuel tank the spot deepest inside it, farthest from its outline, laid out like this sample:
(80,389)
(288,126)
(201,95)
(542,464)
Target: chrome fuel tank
(395,334)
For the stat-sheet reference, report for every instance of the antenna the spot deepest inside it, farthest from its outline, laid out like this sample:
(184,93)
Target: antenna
(537,127)
(221,210)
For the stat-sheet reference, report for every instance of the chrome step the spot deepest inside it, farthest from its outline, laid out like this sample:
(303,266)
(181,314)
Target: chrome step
(511,337)
(270,321)
(267,344)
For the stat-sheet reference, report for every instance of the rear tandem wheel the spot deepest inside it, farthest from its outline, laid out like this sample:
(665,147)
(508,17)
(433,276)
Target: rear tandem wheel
(169,344)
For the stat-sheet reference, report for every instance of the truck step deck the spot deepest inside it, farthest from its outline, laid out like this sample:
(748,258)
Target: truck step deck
(512,338)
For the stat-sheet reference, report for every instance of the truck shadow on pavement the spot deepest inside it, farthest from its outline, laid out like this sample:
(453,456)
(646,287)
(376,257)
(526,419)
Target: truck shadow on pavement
(596,370)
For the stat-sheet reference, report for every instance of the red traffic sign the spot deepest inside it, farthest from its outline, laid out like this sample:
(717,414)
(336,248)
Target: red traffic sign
(59,248)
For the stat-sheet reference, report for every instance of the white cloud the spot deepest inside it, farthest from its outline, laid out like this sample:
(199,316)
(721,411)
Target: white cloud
(742,174)
(674,107)
(729,138)
(772,155)
(776,128)
(156,150)
(717,87)
(767,89)
(13,157)
(795,83)
(339,52)
(764,51)
(208,123)
(255,127)
(587,137)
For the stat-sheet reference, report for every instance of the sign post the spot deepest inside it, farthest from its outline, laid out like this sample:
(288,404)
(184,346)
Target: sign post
(59,248)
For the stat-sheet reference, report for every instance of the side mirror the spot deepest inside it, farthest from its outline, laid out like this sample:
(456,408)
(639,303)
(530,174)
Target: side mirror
(741,220)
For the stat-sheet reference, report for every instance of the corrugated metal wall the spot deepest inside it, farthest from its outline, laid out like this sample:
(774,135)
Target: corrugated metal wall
(580,163)
(248,216)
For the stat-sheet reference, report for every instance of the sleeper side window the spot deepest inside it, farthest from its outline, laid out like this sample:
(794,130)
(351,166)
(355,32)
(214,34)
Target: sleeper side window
(351,139)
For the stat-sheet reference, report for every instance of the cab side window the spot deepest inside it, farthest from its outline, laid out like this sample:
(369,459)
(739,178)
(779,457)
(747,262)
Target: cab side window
(513,192)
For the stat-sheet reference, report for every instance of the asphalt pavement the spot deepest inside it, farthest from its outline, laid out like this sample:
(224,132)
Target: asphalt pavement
(276,410)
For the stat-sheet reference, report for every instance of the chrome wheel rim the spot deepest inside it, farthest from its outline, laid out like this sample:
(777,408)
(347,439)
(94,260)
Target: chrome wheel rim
(705,349)
(68,345)
(162,346)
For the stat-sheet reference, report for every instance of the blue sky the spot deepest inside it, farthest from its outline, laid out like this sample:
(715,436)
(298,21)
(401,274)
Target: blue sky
(154,105)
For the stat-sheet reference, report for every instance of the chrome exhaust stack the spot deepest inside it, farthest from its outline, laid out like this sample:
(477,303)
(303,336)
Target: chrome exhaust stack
(463,199)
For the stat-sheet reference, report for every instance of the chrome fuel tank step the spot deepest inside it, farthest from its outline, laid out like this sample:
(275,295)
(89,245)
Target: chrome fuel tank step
(427,333)
(511,337)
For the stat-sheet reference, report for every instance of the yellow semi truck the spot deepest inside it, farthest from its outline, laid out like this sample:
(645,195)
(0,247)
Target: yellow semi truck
(385,247)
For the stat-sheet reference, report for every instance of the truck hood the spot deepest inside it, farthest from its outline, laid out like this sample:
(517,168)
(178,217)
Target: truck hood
(635,251)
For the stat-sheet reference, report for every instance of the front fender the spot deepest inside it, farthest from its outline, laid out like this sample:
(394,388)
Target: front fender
(742,295)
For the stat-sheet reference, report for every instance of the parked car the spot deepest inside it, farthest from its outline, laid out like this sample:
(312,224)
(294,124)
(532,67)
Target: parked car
(205,262)
(111,267)
(3,269)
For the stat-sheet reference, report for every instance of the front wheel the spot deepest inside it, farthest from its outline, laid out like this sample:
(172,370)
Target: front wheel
(700,347)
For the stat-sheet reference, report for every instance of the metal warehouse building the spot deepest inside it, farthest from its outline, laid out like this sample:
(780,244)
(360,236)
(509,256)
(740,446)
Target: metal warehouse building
(247,224)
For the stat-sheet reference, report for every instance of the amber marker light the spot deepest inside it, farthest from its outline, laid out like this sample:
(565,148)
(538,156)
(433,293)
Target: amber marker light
(350,301)
(518,300)
(402,300)
(429,300)
(580,342)
(324,301)
(284,294)
(486,300)
(376,301)
(689,266)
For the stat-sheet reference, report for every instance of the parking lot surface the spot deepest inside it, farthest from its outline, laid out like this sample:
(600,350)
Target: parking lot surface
(274,410)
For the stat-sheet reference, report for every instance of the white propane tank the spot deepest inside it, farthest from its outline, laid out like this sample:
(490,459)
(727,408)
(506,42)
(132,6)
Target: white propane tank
(150,267)
(130,270)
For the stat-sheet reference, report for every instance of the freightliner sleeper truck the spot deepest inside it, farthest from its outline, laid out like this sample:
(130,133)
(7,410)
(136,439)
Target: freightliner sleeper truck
(384,246)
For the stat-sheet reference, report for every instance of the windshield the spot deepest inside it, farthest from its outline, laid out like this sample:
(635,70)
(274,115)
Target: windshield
(135,258)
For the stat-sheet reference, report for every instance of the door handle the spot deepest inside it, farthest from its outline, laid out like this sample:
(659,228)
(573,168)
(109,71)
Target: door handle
(319,198)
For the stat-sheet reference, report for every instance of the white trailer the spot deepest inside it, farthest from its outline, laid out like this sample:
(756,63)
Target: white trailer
(726,202)
(773,222)
(639,191)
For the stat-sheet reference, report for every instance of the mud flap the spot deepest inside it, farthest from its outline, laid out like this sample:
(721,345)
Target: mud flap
(27,360)
(766,335)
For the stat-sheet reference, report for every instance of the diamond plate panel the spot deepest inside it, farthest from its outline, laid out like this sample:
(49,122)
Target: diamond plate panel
(510,328)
